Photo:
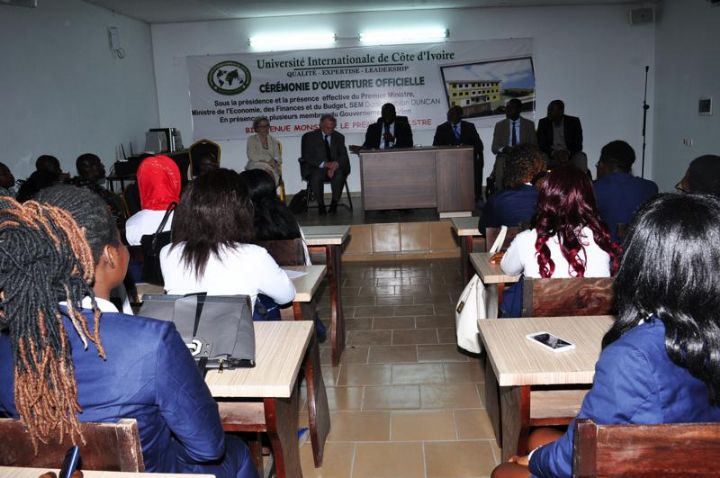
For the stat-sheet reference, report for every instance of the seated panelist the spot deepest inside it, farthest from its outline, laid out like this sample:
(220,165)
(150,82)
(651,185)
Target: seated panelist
(560,137)
(390,131)
(508,133)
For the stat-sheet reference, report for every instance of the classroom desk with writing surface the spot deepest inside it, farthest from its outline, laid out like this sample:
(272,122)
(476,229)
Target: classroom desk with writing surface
(518,365)
(330,240)
(265,398)
(471,240)
(18,472)
(422,177)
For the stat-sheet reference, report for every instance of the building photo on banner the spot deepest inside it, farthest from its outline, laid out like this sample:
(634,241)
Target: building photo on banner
(293,89)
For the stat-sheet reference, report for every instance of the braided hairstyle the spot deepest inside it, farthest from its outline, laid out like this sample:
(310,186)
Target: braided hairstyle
(48,251)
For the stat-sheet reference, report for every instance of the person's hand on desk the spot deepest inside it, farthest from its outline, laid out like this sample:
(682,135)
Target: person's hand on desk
(497,257)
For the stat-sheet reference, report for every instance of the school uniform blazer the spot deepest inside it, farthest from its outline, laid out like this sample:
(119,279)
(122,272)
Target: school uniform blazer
(635,382)
(619,195)
(510,207)
(445,136)
(501,134)
(573,134)
(403,134)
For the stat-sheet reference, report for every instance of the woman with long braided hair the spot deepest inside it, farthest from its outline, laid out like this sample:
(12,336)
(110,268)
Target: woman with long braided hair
(67,355)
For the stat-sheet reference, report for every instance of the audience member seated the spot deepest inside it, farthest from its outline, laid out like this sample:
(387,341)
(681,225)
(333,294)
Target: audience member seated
(390,131)
(91,175)
(273,220)
(568,237)
(51,165)
(212,250)
(60,258)
(618,193)
(515,205)
(560,137)
(659,360)
(455,131)
(207,162)
(7,181)
(159,183)
(38,180)
(510,132)
(324,156)
(702,176)
(263,151)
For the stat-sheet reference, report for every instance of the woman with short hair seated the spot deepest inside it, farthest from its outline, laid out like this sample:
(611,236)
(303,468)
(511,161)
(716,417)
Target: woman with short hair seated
(263,150)
(661,359)
(67,355)
(212,250)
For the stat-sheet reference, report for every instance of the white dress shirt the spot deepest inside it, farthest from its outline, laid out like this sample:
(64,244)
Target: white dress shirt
(391,129)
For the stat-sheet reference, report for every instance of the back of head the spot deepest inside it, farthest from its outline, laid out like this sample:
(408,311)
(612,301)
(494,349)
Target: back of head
(47,251)
(566,204)
(260,184)
(215,211)
(273,220)
(37,181)
(159,182)
(523,163)
(617,155)
(48,164)
(703,175)
(669,268)
(89,166)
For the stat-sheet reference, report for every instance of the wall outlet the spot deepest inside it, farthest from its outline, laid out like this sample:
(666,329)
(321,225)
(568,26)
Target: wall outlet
(689,142)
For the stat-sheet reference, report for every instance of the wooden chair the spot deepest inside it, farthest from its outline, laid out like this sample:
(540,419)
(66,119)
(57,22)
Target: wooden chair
(491,233)
(567,297)
(109,447)
(286,252)
(200,148)
(682,449)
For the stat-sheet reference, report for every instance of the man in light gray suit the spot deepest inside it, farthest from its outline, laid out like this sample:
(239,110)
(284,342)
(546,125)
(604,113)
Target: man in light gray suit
(324,156)
(510,132)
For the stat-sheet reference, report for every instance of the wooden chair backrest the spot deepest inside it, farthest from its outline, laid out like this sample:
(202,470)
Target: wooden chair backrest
(491,233)
(109,447)
(200,148)
(568,297)
(681,449)
(286,252)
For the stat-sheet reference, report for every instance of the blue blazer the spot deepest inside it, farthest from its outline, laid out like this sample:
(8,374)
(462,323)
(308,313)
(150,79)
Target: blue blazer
(635,382)
(148,375)
(619,195)
(510,207)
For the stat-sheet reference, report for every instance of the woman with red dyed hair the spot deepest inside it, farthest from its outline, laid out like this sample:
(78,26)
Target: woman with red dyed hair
(568,238)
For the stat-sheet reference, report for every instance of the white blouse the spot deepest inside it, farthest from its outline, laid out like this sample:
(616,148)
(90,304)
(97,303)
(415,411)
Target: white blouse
(145,222)
(521,257)
(243,269)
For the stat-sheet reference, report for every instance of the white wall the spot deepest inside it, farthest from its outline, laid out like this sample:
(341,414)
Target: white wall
(587,55)
(63,93)
(688,68)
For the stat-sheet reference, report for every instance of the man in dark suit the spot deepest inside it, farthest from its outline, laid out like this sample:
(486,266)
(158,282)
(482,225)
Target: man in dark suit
(560,137)
(455,131)
(510,132)
(324,156)
(390,131)
(619,194)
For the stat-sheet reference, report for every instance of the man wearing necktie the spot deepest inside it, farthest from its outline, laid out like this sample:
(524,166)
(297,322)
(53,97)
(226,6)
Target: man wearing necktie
(510,132)
(325,158)
(390,131)
(455,132)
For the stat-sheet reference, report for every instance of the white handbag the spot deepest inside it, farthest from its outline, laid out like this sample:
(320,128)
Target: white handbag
(477,301)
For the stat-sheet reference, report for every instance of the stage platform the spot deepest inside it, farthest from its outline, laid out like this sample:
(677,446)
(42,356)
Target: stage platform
(408,234)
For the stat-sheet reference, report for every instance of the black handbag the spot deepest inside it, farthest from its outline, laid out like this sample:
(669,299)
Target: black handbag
(151,245)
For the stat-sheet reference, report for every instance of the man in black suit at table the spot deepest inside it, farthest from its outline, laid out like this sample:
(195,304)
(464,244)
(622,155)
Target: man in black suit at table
(324,156)
(454,132)
(560,137)
(390,131)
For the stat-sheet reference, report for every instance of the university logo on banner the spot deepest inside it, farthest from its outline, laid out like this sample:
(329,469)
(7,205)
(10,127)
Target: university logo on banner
(229,78)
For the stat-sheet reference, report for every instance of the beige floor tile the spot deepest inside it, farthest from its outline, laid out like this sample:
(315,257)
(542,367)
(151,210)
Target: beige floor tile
(464,372)
(360,374)
(391,460)
(473,424)
(422,426)
(369,337)
(414,337)
(359,426)
(345,398)
(426,373)
(394,323)
(359,323)
(355,354)
(458,459)
(450,395)
(392,354)
(440,353)
(337,461)
(429,322)
(446,335)
(395,397)
(385,238)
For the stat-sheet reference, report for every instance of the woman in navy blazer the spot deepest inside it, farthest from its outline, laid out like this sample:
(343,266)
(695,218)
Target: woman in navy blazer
(660,360)
(59,259)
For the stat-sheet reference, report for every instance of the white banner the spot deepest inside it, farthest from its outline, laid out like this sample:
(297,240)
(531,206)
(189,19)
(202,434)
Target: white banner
(293,89)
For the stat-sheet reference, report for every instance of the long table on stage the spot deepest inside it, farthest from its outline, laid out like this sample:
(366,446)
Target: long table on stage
(425,177)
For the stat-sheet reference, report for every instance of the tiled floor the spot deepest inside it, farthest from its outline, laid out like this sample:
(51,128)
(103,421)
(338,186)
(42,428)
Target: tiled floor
(404,402)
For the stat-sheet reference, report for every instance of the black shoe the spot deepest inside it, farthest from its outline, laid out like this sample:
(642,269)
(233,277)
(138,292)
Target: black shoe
(321,210)
(333,207)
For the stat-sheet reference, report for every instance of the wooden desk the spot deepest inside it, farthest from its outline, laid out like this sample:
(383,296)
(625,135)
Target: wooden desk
(269,392)
(470,238)
(490,273)
(17,472)
(331,240)
(307,285)
(409,178)
(517,364)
